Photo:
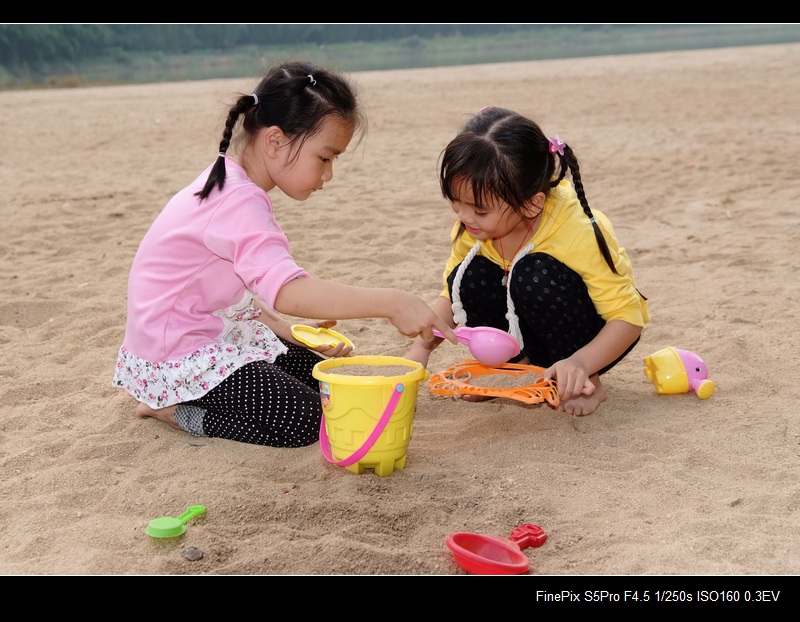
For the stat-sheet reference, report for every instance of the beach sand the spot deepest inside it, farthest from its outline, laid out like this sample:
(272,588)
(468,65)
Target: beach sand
(694,157)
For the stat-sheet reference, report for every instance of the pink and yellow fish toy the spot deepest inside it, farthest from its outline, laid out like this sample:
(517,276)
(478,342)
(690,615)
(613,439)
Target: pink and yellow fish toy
(673,370)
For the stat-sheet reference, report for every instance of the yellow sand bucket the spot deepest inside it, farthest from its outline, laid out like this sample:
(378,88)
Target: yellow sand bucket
(367,415)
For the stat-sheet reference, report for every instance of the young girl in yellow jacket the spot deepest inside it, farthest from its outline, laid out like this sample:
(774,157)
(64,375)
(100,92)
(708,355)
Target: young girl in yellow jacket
(529,256)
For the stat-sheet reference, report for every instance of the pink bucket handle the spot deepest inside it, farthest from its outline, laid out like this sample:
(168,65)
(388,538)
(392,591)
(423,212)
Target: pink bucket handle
(324,443)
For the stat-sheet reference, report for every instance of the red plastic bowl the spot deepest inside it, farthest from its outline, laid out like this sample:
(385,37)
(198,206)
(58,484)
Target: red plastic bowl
(482,554)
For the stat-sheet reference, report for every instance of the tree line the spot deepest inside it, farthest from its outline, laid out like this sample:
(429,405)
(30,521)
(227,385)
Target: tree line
(25,47)
(61,55)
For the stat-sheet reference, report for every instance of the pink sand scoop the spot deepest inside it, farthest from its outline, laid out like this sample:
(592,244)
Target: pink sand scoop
(490,346)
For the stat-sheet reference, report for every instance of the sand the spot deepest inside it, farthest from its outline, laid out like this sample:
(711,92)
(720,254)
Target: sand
(693,155)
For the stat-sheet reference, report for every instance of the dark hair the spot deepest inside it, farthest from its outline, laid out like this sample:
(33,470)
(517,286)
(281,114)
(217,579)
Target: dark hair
(294,96)
(505,155)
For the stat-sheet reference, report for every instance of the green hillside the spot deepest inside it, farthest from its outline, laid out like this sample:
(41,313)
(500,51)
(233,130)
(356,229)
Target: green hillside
(69,55)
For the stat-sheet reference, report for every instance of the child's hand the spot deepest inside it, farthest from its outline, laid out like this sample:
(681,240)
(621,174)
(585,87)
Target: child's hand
(414,318)
(571,377)
(339,349)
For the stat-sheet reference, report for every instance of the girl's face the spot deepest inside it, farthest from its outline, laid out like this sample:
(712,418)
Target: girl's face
(299,178)
(495,220)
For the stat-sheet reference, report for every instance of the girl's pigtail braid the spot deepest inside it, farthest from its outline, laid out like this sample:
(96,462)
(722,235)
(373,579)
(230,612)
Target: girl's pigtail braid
(571,162)
(217,175)
(562,171)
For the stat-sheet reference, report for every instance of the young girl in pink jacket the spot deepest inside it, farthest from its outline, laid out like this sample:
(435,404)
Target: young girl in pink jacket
(206,348)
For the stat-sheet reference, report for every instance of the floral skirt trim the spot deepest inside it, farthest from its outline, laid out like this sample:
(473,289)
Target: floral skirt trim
(164,383)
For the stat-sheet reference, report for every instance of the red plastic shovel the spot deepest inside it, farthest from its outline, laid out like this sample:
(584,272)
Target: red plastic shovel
(482,554)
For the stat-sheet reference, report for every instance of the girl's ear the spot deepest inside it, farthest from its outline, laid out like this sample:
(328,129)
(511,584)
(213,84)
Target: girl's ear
(273,137)
(536,204)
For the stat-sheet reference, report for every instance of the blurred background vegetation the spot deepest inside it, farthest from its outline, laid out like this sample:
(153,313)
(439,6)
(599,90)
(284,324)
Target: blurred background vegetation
(72,55)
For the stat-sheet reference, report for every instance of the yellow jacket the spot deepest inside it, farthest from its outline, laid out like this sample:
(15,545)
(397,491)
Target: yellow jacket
(566,234)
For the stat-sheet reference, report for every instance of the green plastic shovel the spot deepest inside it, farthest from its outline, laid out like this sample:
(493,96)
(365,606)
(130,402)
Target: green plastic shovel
(171,527)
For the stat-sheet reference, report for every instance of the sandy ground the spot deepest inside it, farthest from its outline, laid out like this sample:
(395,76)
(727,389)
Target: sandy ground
(693,155)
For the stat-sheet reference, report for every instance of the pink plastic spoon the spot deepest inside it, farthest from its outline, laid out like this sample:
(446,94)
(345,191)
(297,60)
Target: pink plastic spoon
(490,346)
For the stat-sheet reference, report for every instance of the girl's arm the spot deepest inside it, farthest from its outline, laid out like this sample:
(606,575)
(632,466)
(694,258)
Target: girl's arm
(572,374)
(315,298)
(283,328)
(421,350)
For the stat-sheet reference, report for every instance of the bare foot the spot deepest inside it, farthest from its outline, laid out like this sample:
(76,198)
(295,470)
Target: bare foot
(167,415)
(582,405)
